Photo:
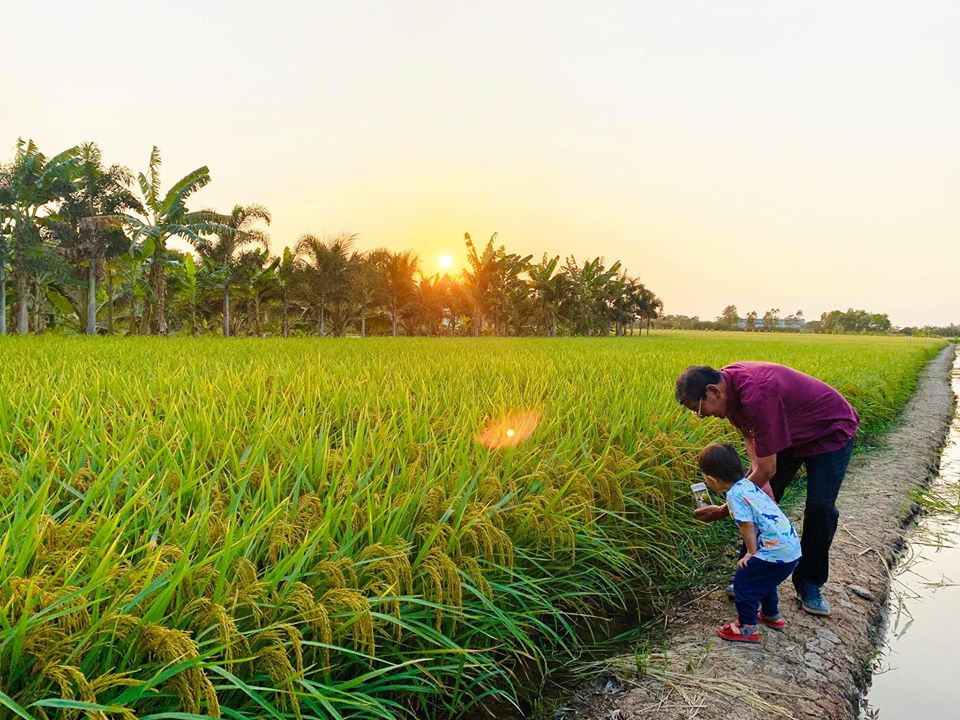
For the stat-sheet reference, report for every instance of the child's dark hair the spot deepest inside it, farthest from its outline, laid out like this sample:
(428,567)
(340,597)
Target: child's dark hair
(721,461)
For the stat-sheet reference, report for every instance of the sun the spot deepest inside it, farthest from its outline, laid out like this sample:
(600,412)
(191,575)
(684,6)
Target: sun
(446,262)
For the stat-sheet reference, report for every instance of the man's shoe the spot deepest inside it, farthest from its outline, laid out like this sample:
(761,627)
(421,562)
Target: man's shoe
(812,600)
(730,593)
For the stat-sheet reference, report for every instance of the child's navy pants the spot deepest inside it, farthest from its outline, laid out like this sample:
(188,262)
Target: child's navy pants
(755,585)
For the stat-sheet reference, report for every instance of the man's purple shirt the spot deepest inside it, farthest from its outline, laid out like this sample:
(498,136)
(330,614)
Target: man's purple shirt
(781,408)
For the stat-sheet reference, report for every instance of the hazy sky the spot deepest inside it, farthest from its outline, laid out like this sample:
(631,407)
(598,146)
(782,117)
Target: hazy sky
(800,155)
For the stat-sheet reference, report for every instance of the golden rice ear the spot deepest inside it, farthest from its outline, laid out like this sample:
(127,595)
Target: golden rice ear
(284,538)
(483,537)
(74,616)
(201,581)
(434,505)
(359,624)
(248,590)
(334,574)
(389,562)
(536,521)
(440,582)
(110,680)
(311,513)
(441,532)
(490,490)
(609,477)
(215,528)
(312,613)
(83,479)
(472,569)
(72,684)
(274,660)
(168,647)
(202,613)
(385,571)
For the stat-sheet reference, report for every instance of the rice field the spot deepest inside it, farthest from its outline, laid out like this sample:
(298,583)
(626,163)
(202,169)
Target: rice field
(376,528)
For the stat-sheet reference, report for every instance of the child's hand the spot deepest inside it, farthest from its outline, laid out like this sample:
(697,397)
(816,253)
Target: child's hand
(742,562)
(711,513)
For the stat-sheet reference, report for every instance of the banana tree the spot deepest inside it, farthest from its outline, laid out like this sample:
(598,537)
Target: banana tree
(167,216)
(258,282)
(549,289)
(592,287)
(132,291)
(492,281)
(29,187)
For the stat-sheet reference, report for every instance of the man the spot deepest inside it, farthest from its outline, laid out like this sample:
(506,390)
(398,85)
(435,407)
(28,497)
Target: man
(787,419)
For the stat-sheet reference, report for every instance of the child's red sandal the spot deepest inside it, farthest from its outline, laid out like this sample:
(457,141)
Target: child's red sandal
(779,624)
(733,633)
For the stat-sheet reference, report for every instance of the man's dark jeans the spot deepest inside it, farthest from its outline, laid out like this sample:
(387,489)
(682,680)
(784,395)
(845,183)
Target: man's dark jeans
(824,474)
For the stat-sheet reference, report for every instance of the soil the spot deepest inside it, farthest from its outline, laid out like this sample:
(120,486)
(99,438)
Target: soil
(818,667)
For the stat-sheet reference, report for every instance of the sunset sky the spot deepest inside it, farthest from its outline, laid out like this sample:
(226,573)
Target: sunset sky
(799,155)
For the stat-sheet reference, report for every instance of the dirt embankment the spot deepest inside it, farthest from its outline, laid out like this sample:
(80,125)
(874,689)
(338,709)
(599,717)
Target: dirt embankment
(818,667)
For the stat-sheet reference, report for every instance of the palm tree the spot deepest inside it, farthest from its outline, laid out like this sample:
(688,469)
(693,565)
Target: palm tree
(257,281)
(433,304)
(325,266)
(650,306)
(364,288)
(91,217)
(286,279)
(397,271)
(167,216)
(29,186)
(237,232)
(6,231)
(192,290)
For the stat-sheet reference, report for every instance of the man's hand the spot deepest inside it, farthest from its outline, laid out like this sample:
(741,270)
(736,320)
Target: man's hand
(742,562)
(711,513)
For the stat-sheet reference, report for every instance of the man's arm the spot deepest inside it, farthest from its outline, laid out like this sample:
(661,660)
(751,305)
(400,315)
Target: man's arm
(762,469)
(751,447)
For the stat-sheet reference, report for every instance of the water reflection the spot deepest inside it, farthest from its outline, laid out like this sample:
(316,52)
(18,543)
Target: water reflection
(917,673)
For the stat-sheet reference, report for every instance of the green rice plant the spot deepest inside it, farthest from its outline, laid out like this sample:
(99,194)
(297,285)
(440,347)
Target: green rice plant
(311,529)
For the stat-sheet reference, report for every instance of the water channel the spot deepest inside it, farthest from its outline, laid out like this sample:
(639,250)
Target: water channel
(916,671)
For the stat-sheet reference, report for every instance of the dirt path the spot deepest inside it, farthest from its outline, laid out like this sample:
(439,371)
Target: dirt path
(818,667)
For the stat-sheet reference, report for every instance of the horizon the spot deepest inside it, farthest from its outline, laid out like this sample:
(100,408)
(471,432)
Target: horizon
(721,154)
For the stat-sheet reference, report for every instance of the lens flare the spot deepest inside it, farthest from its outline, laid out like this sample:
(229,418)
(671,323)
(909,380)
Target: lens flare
(509,430)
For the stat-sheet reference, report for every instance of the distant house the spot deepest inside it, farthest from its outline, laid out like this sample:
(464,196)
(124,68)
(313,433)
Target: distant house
(791,323)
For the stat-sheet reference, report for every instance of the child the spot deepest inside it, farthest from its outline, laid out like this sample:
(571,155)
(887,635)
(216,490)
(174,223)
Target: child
(773,548)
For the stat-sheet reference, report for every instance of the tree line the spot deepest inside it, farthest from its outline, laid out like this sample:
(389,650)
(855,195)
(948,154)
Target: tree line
(833,322)
(86,247)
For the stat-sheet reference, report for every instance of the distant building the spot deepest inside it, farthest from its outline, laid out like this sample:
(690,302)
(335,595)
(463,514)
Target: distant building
(790,323)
